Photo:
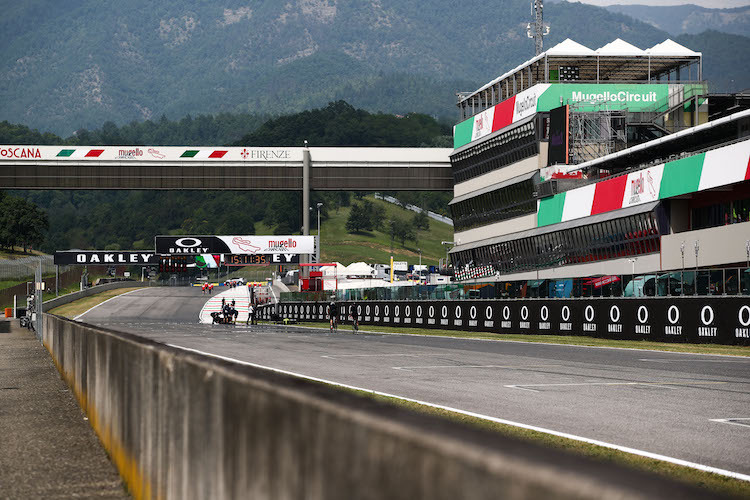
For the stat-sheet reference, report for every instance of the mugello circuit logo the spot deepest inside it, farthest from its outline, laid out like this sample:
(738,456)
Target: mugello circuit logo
(20,153)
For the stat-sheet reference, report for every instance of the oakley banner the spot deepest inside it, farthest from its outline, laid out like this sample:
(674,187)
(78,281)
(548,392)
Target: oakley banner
(101,257)
(194,245)
(722,320)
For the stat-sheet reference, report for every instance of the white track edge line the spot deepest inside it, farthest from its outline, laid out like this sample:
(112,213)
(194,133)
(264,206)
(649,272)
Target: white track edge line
(631,349)
(647,454)
(101,303)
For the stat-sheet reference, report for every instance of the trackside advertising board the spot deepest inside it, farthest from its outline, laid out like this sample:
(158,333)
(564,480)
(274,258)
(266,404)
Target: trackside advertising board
(106,258)
(150,153)
(547,96)
(197,245)
(721,320)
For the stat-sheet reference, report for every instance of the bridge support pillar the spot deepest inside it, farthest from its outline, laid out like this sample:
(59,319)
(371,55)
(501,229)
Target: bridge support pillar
(305,201)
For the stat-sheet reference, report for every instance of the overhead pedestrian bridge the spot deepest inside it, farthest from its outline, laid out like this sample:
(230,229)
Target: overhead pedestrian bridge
(231,168)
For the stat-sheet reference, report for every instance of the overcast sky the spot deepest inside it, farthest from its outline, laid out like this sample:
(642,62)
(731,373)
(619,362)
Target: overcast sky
(714,4)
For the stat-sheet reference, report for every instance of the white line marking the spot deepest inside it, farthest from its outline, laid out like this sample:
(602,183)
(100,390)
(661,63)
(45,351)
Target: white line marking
(654,384)
(335,356)
(469,366)
(732,421)
(657,360)
(102,303)
(647,454)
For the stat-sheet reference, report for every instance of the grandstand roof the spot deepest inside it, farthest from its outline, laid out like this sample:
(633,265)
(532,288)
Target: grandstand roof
(615,62)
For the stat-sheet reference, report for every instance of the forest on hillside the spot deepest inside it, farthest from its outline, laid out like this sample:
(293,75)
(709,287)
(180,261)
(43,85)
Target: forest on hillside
(68,65)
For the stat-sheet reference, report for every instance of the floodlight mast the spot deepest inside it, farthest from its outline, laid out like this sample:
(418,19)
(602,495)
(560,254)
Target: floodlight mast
(540,30)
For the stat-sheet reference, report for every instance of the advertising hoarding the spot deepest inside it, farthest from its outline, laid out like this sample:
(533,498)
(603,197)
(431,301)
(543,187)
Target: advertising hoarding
(105,258)
(211,244)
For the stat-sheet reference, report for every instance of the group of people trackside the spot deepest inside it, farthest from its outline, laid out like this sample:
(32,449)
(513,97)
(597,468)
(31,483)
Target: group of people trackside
(207,287)
(333,316)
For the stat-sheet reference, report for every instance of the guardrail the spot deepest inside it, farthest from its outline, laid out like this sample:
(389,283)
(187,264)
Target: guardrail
(179,424)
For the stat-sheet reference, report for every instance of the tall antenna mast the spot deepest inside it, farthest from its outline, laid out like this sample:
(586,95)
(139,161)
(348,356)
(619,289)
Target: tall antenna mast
(540,30)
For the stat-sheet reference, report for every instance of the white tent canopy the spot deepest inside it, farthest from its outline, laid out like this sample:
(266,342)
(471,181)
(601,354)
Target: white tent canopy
(570,47)
(621,48)
(359,269)
(670,48)
(337,270)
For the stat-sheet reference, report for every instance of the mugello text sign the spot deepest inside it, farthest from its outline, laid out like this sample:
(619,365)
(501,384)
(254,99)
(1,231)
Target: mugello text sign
(195,245)
(106,258)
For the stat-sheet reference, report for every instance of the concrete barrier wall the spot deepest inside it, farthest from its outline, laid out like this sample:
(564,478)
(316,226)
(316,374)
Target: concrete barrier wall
(182,425)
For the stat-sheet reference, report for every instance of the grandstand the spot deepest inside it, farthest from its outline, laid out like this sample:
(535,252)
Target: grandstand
(585,162)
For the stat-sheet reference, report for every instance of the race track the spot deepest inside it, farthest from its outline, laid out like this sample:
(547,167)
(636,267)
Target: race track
(690,407)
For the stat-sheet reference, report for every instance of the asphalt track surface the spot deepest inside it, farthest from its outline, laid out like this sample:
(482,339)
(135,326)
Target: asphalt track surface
(690,407)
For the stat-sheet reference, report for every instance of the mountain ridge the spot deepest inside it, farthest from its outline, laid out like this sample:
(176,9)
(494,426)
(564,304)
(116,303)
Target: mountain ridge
(66,65)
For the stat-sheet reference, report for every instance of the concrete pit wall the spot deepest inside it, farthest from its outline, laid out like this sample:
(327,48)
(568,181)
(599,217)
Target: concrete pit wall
(182,425)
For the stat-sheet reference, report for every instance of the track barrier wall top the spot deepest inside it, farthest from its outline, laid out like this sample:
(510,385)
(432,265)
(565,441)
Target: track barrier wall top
(184,425)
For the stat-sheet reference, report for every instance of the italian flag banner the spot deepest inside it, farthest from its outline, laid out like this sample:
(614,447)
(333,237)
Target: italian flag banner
(718,167)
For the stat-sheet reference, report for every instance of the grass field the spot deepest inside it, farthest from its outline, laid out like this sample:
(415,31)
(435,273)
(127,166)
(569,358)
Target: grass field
(17,253)
(373,247)
(79,306)
(732,350)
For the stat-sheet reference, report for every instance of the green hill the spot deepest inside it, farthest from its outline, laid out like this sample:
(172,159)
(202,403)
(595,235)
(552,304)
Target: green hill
(374,247)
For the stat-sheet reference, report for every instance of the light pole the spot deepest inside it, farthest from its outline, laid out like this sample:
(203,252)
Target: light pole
(747,251)
(420,265)
(317,253)
(682,272)
(697,248)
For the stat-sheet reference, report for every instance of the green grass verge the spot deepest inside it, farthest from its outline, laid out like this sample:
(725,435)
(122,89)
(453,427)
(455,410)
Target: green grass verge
(713,483)
(18,253)
(79,306)
(733,350)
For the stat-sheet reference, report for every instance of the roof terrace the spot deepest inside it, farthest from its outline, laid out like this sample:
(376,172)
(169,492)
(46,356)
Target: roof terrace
(571,62)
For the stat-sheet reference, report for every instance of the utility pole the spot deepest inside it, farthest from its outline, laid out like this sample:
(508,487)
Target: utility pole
(540,30)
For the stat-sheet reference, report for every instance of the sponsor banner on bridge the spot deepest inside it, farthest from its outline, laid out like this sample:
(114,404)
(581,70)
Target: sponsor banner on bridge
(723,320)
(196,245)
(104,257)
(547,96)
(151,153)
(714,168)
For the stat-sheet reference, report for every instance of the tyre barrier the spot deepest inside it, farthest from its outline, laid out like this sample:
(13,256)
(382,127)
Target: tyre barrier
(183,425)
(724,320)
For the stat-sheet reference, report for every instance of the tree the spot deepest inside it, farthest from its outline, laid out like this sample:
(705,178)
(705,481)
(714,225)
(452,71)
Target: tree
(421,221)
(21,223)
(402,230)
(358,219)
